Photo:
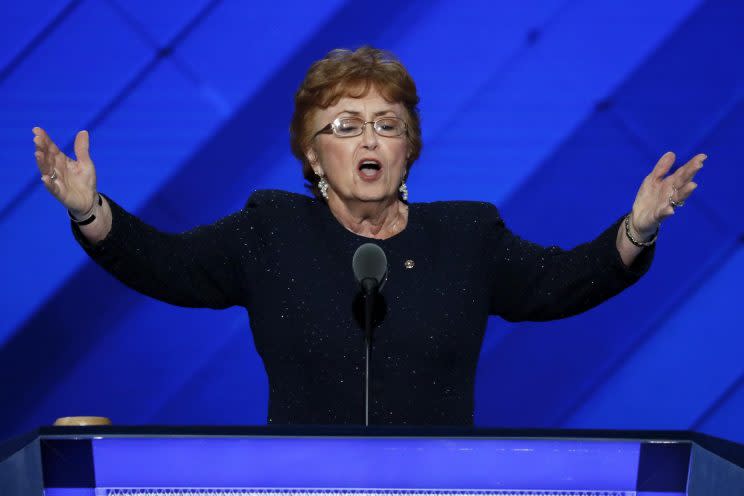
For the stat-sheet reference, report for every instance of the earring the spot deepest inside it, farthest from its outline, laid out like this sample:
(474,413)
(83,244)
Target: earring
(403,191)
(323,186)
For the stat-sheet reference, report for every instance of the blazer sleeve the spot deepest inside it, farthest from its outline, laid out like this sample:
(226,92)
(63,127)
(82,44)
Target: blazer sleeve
(532,282)
(209,266)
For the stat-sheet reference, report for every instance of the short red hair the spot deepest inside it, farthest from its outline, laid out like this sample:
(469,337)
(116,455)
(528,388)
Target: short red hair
(352,73)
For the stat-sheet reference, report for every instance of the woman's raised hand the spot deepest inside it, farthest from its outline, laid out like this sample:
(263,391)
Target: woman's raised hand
(72,182)
(660,194)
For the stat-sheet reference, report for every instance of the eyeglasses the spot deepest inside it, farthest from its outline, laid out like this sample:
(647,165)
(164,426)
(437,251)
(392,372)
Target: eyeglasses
(348,127)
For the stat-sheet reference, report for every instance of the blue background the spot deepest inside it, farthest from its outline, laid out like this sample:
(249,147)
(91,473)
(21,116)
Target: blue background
(554,110)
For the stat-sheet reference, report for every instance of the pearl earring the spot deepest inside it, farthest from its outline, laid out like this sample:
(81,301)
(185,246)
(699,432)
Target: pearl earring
(323,186)
(403,191)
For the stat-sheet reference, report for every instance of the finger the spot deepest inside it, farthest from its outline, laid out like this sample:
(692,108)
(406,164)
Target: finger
(39,134)
(685,192)
(82,144)
(41,147)
(667,211)
(39,142)
(38,131)
(46,142)
(44,162)
(685,174)
(40,161)
(50,185)
(663,165)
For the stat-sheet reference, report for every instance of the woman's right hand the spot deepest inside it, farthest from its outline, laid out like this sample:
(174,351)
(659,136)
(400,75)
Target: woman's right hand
(72,182)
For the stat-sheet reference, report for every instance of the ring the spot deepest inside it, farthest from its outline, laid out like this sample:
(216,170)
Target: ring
(54,175)
(671,199)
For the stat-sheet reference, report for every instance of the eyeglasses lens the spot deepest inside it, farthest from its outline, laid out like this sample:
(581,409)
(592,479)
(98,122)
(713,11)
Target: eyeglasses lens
(385,126)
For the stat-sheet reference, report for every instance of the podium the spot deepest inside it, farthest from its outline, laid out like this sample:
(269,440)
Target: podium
(348,461)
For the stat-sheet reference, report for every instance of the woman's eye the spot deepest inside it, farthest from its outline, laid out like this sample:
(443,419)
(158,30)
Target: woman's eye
(348,126)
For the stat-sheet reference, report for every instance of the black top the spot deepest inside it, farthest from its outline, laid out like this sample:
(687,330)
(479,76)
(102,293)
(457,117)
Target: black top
(288,261)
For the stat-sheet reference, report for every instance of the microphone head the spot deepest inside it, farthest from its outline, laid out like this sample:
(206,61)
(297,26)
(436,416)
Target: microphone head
(370,262)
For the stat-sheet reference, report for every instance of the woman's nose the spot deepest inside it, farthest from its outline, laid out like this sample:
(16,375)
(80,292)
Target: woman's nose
(369,136)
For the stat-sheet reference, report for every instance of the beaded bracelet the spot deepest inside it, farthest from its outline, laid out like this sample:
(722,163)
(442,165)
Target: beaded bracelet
(88,219)
(639,244)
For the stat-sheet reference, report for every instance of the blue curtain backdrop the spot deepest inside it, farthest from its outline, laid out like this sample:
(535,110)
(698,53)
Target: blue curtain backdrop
(554,110)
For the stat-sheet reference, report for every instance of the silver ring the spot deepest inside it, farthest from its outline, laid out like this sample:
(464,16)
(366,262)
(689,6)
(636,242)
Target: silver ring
(671,199)
(54,175)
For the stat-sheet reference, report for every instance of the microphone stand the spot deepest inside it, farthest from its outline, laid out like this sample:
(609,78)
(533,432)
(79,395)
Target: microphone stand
(369,286)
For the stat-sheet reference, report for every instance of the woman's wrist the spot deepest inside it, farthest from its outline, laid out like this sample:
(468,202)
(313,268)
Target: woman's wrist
(637,237)
(89,216)
(643,233)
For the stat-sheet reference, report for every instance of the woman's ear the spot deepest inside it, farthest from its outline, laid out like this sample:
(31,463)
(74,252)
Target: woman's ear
(312,159)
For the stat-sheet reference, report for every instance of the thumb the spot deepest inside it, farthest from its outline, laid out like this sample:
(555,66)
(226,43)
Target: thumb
(82,142)
(663,165)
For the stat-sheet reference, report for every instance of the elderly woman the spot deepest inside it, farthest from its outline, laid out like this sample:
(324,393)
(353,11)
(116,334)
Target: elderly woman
(285,257)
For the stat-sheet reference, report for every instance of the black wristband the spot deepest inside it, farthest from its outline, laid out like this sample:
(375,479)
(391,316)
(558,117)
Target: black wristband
(90,219)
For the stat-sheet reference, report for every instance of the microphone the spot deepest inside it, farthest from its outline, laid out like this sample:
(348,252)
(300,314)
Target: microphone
(370,269)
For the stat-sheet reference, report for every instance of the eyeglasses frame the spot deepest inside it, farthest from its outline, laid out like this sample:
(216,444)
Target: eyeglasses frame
(329,128)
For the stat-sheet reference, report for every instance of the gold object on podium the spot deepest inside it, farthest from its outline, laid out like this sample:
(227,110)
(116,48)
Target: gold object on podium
(82,421)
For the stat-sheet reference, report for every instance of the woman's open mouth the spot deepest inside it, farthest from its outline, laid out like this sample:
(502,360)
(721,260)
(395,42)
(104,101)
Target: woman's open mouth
(369,169)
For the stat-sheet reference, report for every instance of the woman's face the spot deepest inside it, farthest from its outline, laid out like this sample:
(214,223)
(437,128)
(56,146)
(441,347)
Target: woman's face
(341,159)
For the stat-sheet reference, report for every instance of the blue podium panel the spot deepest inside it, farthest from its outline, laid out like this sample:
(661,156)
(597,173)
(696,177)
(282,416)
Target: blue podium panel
(367,462)
(368,465)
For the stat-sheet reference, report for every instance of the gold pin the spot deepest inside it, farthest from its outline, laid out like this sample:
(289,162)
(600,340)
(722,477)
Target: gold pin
(409,264)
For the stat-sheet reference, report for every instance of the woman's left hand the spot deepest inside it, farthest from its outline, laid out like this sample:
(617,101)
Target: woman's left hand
(658,195)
